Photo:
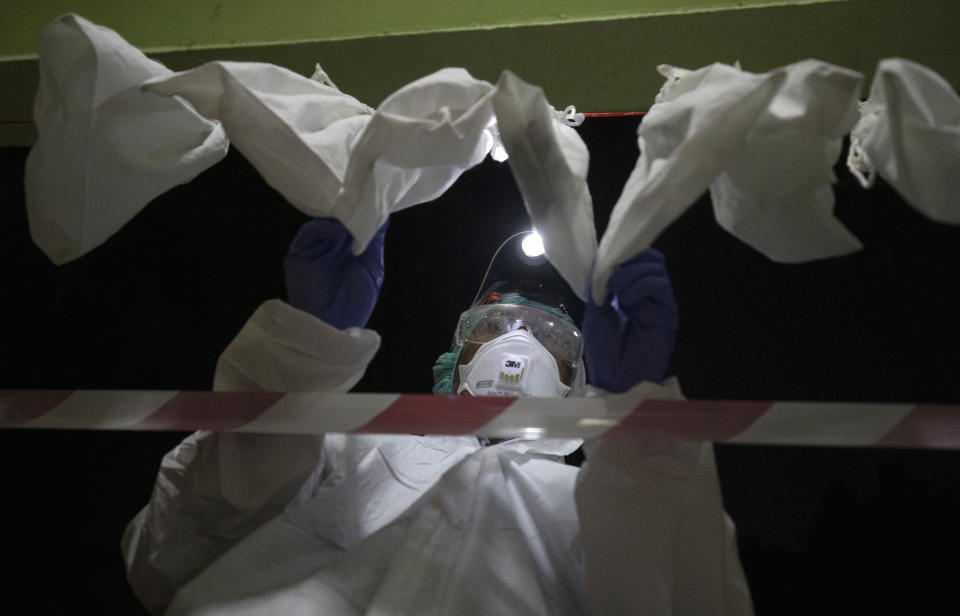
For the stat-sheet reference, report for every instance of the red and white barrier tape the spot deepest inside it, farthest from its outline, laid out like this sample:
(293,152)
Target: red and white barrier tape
(749,422)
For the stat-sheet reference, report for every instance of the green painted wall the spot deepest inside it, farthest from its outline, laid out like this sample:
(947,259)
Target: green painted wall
(192,24)
(597,65)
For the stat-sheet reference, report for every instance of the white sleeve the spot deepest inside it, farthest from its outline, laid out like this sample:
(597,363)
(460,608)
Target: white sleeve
(281,348)
(214,489)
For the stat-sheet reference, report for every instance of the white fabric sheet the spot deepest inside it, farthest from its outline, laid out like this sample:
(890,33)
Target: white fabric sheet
(776,196)
(117,129)
(421,139)
(330,155)
(104,148)
(685,142)
(296,131)
(763,144)
(909,133)
(549,161)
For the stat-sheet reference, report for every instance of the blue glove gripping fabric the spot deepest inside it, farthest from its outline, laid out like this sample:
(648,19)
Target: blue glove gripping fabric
(630,337)
(327,280)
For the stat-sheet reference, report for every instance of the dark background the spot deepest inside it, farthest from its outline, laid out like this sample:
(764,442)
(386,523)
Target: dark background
(821,530)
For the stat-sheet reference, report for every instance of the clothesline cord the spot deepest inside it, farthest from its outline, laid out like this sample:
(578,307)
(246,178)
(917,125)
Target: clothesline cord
(614,114)
(601,114)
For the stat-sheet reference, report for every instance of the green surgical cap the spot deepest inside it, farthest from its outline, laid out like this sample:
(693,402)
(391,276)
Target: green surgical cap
(443,371)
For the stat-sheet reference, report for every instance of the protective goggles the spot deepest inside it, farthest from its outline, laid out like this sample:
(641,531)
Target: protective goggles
(484,323)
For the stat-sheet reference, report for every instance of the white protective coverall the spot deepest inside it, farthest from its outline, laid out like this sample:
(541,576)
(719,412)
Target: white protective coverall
(364,524)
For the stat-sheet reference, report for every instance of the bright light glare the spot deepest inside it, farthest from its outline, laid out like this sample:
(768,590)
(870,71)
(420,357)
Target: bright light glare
(596,421)
(532,244)
(531,432)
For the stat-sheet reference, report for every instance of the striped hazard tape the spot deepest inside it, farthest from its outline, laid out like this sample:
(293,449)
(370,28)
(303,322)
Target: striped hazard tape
(747,422)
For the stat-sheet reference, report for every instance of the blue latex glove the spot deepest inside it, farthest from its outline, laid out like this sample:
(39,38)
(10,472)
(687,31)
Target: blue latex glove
(324,277)
(630,337)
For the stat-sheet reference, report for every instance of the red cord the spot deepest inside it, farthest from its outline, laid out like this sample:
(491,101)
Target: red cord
(614,114)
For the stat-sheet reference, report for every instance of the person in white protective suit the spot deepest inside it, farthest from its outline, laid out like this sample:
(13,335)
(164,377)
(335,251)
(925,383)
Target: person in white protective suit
(369,524)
